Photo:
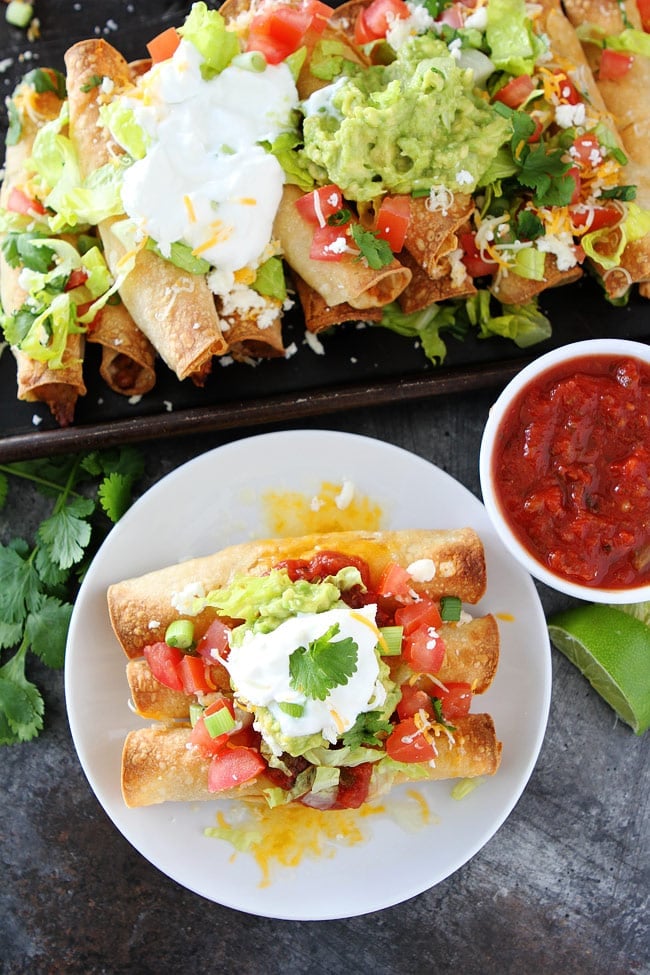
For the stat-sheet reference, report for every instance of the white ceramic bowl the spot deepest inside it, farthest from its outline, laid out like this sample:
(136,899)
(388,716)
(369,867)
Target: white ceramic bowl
(595,347)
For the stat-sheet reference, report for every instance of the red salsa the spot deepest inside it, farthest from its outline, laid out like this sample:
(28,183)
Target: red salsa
(572,470)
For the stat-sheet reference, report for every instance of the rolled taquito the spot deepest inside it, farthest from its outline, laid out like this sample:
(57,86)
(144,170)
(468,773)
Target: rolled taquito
(128,358)
(160,765)
(346,281)
(471,656)
(626,98)
(173,308)
(142,608)
(59,388)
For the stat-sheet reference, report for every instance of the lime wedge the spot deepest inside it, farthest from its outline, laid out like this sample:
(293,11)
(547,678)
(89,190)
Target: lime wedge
(611,648)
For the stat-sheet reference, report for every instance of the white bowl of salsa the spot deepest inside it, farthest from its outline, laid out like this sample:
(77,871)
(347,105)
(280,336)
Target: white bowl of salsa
(565,469)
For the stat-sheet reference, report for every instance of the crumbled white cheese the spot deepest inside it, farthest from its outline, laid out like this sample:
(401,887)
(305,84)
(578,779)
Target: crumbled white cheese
(153,624)
(422,570)
(561,245)
(567,116)
(183,601)
(314,343)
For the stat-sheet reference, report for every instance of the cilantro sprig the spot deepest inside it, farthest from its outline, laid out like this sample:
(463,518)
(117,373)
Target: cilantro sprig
(323,665)
(38,580)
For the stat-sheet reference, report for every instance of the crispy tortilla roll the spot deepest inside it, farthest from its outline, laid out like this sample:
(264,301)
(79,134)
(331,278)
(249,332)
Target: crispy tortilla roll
(471,656)
(175,309)
(511,289)
(58,388)
(141,609)
(423,291)
(345,281)
(431,232)
(626,98)
(319,316)
(128,357)
(159,765)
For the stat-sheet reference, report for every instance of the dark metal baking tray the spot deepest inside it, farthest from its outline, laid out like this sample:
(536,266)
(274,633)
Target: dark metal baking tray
(357,367)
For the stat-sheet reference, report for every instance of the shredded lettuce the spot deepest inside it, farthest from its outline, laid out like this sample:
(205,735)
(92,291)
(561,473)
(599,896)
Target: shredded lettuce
(270,280)
(635,226)
(120,119)
(631,40)
(525,324)
(514,46)
(423,325)
(207,31)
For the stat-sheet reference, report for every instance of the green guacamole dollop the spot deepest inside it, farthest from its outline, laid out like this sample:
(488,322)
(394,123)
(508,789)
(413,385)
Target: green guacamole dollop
(409,125)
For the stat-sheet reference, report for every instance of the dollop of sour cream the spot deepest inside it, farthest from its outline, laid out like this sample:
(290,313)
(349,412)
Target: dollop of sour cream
(205,179)
(259,672)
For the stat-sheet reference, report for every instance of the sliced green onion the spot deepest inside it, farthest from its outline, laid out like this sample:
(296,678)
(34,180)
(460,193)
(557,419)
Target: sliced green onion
(293,710)
(180,634)
(195,713)
(250,61)
(19,13)
(450,607)
(391,643)
(219,722)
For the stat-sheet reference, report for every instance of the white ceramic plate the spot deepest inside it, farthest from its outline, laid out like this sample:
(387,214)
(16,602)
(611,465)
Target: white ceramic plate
(215,500)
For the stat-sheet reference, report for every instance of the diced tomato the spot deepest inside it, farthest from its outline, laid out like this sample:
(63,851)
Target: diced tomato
(395,581)
(354,784)
(195,675)
(216,638)
(407,743)
(537,132)
(574,173)
(422,612)
(281,29)
(455,700)
(614,65)
(320,204)
(200,736)
(163,45)
(19,202)
(477,266)
(393,220)
(568,93)
(587,151)
(515,92)
(76,279)
(594,218)
(319,14)
(286,24)
(413,699)
(327,563)
(232,767)
(373,22)
(452,17)
(329,243)
(424,650)
(644,13)
(164,662)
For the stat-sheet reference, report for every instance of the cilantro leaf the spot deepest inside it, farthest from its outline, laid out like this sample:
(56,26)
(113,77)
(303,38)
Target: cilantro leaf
(115,494)
(66,533)
(376,251)
(19,586)
(21,704)
(324,664)
(46,630)
(370,729)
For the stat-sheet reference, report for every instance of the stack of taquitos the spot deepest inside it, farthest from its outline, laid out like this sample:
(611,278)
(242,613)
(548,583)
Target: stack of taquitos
(163,762)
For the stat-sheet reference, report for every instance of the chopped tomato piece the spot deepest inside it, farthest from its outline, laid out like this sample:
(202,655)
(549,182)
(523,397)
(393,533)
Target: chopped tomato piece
(373,22)
(286,24)
(200,736)
(407,743)
(594,218)
(232,767)
(568,93)
(614,64)
(587,151)
(319,14)
(354,784)
(414,699)
(477,266)
(329,243)
(455,700)
(163,45)
(215,638)
(424,650)
(422,612)
(164,662)
(574,173)
(76,279)
(195,675)
(515,92)
(393,221)
(19,202)
(452,17)
(320,204)
(644,13)
(395,581)
(273,49)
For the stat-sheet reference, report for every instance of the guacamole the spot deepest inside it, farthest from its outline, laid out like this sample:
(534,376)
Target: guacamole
(409,125)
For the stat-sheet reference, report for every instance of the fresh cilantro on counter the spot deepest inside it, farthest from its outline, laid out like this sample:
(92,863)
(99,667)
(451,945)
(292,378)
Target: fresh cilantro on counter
(39,580)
